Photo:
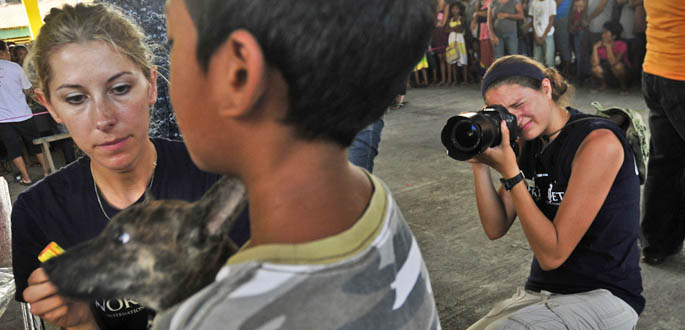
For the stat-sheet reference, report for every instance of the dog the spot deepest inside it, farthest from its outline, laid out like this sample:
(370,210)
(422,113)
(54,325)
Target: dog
(157,253)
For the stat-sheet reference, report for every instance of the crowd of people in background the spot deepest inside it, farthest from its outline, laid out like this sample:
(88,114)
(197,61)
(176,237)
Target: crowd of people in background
(592,258)
(18,106)
(595,43)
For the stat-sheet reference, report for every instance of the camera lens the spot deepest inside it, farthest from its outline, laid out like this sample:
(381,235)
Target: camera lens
(466,136)
(470,133)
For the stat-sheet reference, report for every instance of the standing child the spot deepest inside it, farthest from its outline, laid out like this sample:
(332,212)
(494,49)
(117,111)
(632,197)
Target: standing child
(457,42)
(526,31)
(578,28)
(439,43)
(439,46)
(543,12)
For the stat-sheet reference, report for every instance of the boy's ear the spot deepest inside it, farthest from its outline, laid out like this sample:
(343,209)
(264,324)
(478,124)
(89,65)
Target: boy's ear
(237,75)
(44,101)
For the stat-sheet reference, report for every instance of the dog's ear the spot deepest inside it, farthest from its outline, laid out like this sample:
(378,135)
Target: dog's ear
(221,205)
(148,197)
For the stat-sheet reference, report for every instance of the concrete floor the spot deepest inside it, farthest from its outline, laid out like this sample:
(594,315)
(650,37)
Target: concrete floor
(469,273)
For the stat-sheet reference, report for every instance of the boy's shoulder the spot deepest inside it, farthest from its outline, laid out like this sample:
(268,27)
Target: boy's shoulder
(349,291)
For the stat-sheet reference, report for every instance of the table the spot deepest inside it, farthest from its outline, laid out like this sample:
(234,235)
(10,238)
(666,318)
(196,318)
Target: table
(45,145)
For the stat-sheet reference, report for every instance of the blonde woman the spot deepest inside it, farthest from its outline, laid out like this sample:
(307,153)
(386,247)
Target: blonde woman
(94,75)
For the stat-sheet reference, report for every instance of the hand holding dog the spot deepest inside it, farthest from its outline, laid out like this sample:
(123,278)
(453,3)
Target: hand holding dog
(42,295)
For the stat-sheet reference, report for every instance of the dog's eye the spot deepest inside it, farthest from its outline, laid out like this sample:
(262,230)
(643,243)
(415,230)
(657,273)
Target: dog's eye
(124,238)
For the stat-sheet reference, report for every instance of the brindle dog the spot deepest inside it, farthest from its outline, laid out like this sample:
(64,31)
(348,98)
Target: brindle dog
(157,253)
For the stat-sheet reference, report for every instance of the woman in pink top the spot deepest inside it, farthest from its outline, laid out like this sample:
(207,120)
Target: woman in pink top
(610,63)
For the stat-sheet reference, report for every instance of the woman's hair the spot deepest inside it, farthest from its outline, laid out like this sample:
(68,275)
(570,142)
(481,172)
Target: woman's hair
(526,72)
(614,27)
(81,24)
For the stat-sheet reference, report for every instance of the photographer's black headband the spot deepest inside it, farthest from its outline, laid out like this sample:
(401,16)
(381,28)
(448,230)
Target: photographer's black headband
(505,70)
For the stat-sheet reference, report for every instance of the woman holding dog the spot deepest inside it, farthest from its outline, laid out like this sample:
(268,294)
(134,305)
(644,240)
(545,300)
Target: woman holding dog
(95,76)
(581,214)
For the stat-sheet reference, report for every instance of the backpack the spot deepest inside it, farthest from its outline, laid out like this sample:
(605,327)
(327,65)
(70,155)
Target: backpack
(636,132)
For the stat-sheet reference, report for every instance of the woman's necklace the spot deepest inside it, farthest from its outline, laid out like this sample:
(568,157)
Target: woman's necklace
(149,186)
(547,137)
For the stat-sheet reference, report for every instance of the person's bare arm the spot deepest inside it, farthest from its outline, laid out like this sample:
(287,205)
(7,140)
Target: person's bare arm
(553,240)
(550,25)
(612,58)
(460,28)
(495,208)
(445,12)
(474,21)
(595,53)
(589,184)
(491,22)
(518,15)
(481,12)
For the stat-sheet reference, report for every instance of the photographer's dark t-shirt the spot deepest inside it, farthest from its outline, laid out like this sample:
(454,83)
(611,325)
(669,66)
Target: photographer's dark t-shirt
(63,208)
(607,257)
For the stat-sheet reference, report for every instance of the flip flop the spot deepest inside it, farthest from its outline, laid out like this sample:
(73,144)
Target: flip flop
(397,106)
(21,181)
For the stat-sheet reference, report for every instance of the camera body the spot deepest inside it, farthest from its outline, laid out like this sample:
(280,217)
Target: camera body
(470,133)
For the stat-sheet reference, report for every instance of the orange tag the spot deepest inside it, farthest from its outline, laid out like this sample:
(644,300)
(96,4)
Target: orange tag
(51,250)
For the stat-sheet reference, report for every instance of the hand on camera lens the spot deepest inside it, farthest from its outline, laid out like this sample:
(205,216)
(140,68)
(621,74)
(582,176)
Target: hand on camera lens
(501,157)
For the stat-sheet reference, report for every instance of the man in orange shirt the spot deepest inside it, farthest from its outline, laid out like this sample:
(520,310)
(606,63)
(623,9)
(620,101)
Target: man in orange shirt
(663,85)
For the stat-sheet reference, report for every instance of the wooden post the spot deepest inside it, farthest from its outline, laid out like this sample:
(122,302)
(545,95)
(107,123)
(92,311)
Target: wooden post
(33,13)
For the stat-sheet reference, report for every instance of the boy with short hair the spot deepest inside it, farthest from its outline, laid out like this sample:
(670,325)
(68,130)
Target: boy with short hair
(329,246)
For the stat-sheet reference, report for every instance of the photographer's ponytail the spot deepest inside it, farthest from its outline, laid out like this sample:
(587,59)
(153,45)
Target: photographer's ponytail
(562,90)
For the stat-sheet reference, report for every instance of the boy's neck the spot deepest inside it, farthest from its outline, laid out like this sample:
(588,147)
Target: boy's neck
(311,194)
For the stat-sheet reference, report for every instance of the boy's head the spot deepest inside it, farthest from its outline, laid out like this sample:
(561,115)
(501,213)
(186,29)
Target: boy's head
(342,61)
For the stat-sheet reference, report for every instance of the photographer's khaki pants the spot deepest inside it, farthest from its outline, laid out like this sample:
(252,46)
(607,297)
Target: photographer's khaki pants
(597,309)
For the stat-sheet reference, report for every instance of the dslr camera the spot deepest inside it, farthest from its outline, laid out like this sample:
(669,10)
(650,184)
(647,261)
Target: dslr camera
(470,133)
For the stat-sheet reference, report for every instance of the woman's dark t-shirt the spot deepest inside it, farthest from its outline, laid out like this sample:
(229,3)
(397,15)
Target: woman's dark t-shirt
(63,208)
(607,257)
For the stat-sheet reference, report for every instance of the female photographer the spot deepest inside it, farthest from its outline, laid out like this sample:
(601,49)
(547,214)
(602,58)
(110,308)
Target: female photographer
(581,215)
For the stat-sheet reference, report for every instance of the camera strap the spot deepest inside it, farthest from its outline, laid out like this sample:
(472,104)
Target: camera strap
(545,138)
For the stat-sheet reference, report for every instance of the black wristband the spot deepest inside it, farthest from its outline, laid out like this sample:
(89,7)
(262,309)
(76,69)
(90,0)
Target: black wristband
(510,183)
